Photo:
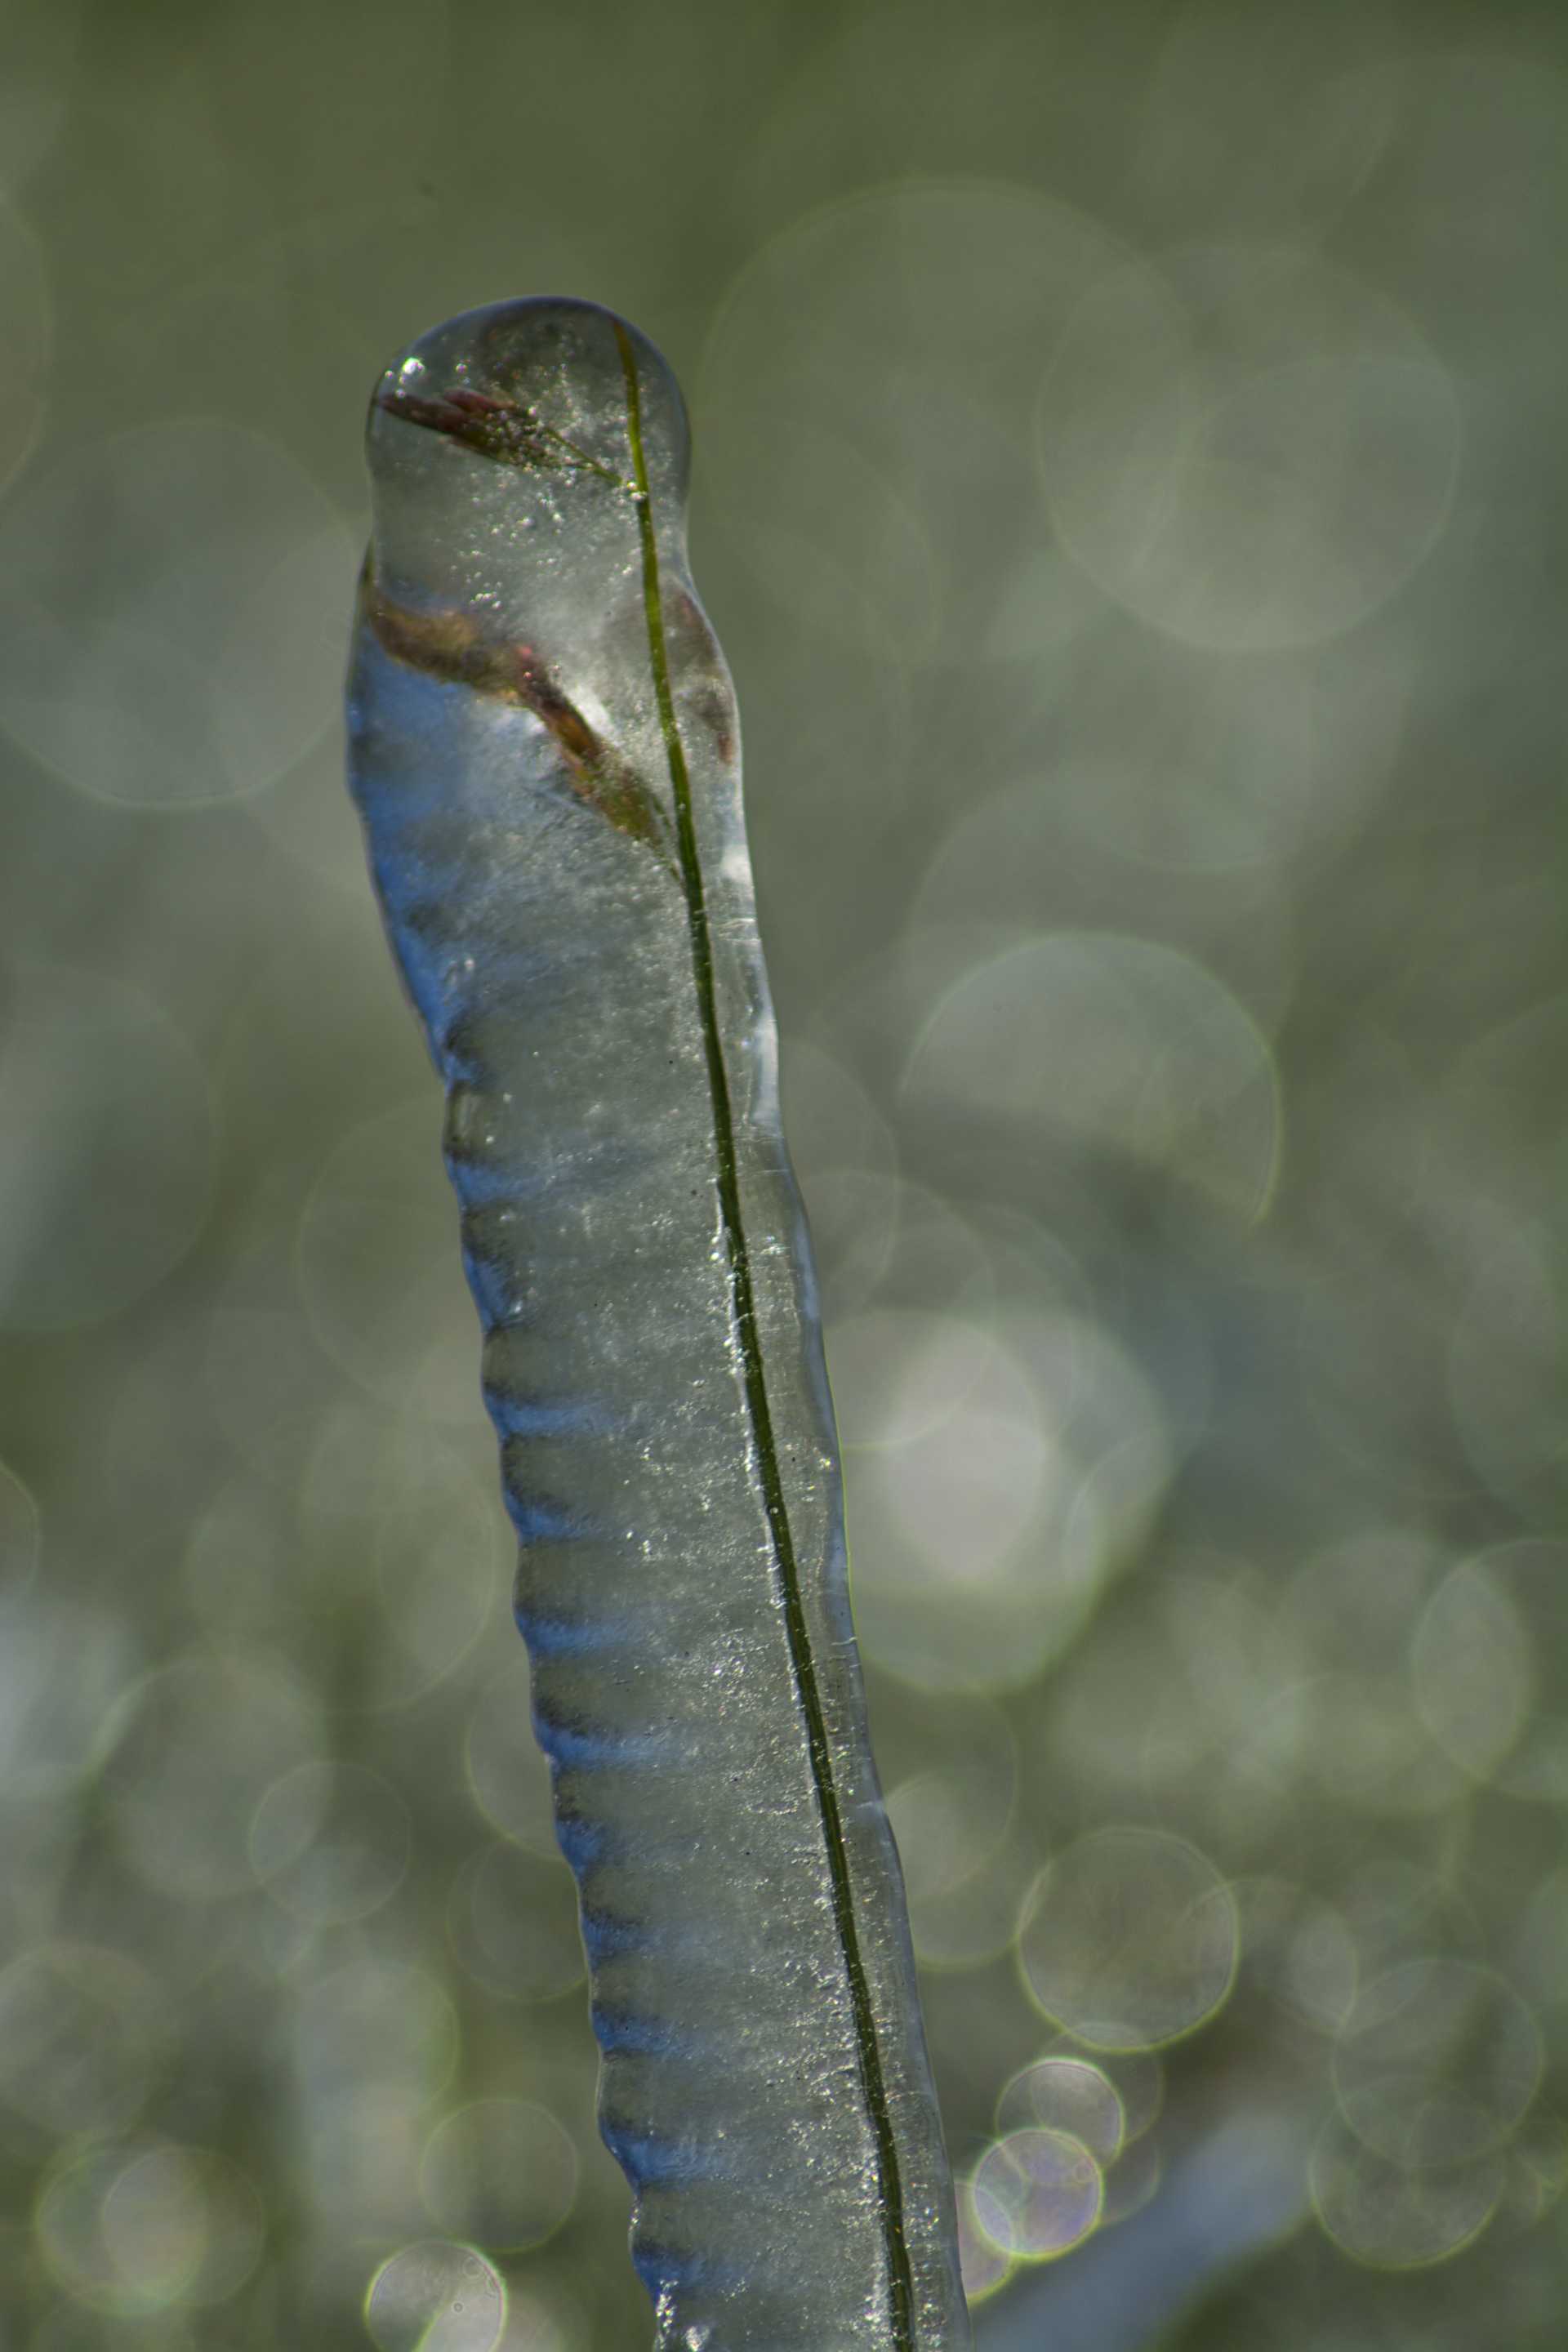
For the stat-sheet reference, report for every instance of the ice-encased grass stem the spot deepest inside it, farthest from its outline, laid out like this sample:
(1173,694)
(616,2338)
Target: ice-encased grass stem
(544,747)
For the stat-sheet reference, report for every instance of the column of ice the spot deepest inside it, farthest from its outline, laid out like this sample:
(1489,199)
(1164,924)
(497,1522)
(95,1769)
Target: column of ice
(544,750)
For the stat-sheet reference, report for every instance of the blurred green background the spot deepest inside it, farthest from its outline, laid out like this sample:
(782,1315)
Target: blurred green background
(1130,492)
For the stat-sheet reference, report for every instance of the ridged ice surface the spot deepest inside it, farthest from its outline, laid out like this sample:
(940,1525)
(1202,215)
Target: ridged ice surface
(544,750)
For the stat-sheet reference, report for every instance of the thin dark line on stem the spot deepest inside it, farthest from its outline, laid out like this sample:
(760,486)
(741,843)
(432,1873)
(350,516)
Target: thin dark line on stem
(900,2282)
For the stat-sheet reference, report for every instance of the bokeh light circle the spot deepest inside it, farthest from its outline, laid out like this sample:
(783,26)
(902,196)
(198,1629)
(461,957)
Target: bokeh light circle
(997,1475)
(1067,2095)
(963,1868)
(134,2230)
(1437,2063)
(1117,1044)
(1490,1664)
(500,2172)
(1037,2194)
(373,2026)
(1473,1669)
(329,1842)
(202,1741)
(435,2296)
(1128,1939)
(1299,1951)
(420,1528)
(983,2266)
(85,2036)
(1388,2218)
(1247,445)
(512,1921)
(839,385)
(174,615)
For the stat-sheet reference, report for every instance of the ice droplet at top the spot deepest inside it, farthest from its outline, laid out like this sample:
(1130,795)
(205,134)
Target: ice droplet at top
(544,747)
(540,388)
(517,569)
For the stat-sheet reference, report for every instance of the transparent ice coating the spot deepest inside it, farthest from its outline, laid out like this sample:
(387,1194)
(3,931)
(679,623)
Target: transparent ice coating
(544,750)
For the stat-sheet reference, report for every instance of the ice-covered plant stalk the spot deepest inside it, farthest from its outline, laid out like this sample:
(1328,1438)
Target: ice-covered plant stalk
(544,749)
